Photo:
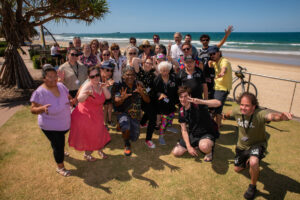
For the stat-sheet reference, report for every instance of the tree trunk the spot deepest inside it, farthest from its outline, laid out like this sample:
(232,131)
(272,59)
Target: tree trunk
(14,71)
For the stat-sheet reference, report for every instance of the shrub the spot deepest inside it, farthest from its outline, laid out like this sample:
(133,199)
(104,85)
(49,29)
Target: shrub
(3,44)
(36,62)
(2,51)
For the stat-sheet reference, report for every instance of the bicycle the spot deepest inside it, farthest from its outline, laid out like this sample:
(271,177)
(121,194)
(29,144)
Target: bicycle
(243,86)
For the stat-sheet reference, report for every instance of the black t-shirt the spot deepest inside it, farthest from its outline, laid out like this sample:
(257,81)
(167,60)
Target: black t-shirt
(198,120)
(209,72)
(147,78)
(167,105)
(193,81)
(132,104)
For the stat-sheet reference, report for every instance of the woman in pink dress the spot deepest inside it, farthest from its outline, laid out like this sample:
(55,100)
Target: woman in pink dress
(88,132)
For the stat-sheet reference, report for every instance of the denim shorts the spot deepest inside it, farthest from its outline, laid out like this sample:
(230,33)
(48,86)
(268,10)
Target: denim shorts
(127,123)
(221,96)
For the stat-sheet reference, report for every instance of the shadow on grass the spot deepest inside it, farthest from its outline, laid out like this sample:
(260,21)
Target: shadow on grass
(276,184)
(118,167)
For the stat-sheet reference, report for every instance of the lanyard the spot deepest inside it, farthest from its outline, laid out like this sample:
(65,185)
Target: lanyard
(246,129)
(76,73)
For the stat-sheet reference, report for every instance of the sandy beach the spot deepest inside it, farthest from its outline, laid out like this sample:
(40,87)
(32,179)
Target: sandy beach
(272,93)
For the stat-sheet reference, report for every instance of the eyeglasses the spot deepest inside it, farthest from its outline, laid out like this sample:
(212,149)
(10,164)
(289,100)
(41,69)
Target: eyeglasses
(205,40)
(74,54)
(186,49)
(132,53)
(106,55)
(108,70)
(94,76)
(115,49)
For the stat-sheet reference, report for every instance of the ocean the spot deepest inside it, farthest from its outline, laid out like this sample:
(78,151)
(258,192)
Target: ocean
(279,47)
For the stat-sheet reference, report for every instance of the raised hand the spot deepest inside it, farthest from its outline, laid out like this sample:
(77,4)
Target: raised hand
(162,96)
(61,75)
(229,30)
(286,116)
(124,94)
(89,93)
(139,89)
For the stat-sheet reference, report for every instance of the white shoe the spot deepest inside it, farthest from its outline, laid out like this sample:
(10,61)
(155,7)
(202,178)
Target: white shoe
(172,129)
(150,144)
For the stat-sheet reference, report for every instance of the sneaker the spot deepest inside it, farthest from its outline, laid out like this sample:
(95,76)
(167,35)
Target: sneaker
(161,140)
(143,125)
(127,151)
(251,191)
(172,129)
(150,144)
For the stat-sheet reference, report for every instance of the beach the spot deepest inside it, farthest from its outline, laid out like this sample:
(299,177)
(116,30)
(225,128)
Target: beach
(273,94)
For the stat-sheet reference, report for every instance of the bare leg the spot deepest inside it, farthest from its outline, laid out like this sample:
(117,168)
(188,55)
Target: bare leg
(254,169)
(178,150)
(105,111)
(110,107)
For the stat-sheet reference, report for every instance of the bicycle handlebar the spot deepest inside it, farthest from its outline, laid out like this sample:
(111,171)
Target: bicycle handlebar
(242,68)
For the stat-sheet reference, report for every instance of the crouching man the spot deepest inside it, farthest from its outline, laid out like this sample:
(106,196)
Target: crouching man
(197,127)
(252,138)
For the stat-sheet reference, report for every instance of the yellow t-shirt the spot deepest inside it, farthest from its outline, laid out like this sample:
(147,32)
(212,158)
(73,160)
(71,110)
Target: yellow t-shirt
(224,83)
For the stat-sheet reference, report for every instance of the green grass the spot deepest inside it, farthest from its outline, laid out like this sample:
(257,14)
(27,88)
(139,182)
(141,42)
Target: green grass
(27,167)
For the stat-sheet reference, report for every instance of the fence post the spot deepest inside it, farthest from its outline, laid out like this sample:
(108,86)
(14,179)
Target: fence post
(248,86)
(293,97)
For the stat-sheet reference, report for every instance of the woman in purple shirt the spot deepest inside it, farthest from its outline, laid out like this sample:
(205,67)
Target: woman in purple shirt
(51,102)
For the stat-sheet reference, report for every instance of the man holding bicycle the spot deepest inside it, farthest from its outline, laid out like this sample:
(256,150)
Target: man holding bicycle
(223,79)
(252,138)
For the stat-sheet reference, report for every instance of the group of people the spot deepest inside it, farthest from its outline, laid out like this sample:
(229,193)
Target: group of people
(144,88)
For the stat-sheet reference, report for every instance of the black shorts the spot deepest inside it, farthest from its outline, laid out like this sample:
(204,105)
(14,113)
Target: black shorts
(221,96)
(242,156)
(194,141)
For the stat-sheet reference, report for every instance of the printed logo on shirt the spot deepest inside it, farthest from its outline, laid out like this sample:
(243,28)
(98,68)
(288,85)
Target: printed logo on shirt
(244,124)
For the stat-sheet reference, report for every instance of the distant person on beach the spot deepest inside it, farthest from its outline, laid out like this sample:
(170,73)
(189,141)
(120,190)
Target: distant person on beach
(252,139)
(223,79)
(165,86)
(55,54)
(192,77)
(176,51)
(197,126)
(188,39)
(119,60)
(87,58)
(146,75)
(204,57)
(77,44)
(51,102)
(156,40)
(71,46)
(72,74)
(88,132)
(128,97)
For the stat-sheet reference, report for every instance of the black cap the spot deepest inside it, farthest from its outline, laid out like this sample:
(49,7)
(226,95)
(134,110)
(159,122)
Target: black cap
(213,49)
(108,65)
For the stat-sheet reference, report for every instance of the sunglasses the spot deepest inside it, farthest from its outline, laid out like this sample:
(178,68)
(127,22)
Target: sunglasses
(149,63)
(132,53)
(132,42)
(212,54)
(94,76)
(155,38)
(116,48)
(108,70)
(74,54)
(205,40)
(105,54)
(186,49)
(146,46)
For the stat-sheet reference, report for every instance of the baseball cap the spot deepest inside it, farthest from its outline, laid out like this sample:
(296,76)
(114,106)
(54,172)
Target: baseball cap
(213,49)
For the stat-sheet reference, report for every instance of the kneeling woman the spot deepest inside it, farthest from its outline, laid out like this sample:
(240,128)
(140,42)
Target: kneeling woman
(88,132)
(50,101)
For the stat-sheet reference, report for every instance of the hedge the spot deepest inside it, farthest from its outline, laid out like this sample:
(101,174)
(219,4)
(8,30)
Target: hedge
(3,44)
(37,62)
(2,50)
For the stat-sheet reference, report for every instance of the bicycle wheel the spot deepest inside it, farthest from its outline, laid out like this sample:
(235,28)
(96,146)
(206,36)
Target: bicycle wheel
(241,88)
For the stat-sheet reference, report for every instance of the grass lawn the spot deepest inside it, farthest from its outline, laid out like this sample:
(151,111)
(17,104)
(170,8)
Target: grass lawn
(27,167)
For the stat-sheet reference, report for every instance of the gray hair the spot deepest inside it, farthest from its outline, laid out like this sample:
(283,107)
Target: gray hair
(164,65)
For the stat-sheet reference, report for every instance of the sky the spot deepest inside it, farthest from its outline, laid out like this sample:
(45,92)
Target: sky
(128,16)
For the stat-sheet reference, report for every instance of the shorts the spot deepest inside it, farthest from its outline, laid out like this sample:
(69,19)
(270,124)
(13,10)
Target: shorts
(127,123)
(194,141)
(221,96)
(242,156)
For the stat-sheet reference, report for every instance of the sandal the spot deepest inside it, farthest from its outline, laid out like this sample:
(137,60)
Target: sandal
(63,172)
(66,154)
(89,158)
(208,157)
(102,154)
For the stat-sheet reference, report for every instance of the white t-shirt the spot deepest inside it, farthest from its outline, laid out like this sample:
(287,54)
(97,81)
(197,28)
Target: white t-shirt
(54,50)
(118,69)
(176,51)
